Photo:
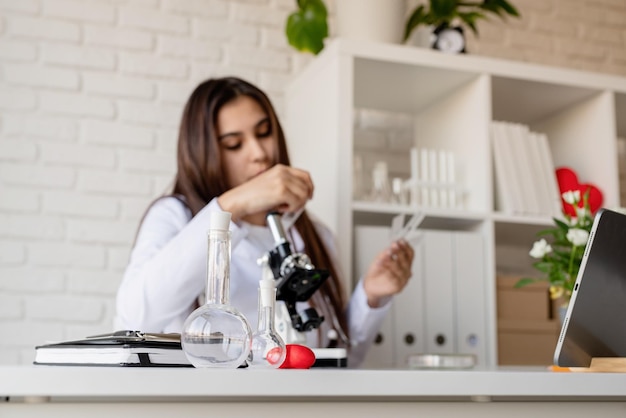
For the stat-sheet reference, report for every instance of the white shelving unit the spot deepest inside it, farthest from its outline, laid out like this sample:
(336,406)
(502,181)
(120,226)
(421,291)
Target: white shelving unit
(452,99)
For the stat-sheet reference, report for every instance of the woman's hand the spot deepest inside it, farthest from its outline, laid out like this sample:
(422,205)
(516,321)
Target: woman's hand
(389,272)
(281,188)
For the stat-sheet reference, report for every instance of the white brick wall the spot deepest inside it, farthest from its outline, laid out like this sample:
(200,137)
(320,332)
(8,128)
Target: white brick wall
(91,93)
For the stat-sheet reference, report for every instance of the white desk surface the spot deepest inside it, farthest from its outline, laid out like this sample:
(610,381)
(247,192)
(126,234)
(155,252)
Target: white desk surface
(207,384)
(163,391)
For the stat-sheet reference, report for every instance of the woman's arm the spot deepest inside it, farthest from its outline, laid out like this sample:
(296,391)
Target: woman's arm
(386,276)
(166,271)
(364,321)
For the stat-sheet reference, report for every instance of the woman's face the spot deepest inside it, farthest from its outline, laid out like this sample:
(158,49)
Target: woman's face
(246,139)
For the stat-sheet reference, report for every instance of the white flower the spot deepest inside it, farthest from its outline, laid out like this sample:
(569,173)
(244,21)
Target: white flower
(582,212)
(577,236)
(572,197)
(540,248)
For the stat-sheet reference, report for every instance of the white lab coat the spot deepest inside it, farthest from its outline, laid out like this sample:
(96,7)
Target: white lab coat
(167,273)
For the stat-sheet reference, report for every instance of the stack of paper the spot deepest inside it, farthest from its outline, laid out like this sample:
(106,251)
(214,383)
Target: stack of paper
(525,177)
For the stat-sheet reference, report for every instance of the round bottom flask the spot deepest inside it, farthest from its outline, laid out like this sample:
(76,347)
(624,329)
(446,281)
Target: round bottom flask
(217,334)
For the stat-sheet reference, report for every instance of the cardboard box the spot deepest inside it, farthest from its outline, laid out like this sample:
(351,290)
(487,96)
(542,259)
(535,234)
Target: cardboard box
(531,302)
(527,343)
(528,328)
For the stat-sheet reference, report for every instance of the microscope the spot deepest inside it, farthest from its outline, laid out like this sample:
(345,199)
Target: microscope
(296,281)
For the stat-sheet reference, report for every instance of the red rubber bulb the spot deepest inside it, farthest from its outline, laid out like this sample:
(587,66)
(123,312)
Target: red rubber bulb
(298,357)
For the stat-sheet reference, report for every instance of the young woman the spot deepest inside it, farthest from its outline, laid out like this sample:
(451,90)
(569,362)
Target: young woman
(232,156)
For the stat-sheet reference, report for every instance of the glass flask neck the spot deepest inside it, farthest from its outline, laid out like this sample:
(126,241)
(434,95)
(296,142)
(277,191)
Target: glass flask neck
(266,317)
(218,267)
(268,348)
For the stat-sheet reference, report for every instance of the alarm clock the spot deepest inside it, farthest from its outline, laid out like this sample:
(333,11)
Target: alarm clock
(449,39)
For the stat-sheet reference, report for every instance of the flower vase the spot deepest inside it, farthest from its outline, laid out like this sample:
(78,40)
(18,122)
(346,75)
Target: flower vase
(371,20)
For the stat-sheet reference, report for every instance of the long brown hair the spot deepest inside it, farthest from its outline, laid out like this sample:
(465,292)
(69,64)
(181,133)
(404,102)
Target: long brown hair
(199,177)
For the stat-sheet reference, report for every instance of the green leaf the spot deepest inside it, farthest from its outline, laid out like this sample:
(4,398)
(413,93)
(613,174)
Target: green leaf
(417,17)
(543,266)
(507,7)
(444,9)
(470,19)
(547,231)
(562,225)
(490,6)
(499,7)
(307,28)
(524,282)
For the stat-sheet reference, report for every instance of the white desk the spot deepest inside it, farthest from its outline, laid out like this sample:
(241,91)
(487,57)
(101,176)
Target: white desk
(160,392)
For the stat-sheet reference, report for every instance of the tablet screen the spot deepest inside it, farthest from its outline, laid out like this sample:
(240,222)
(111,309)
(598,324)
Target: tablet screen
(595,324)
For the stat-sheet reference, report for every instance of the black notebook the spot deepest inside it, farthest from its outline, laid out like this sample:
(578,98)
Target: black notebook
(121,348)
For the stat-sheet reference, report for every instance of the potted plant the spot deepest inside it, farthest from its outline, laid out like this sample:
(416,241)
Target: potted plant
(307,27)
(559,260)
(448,16)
